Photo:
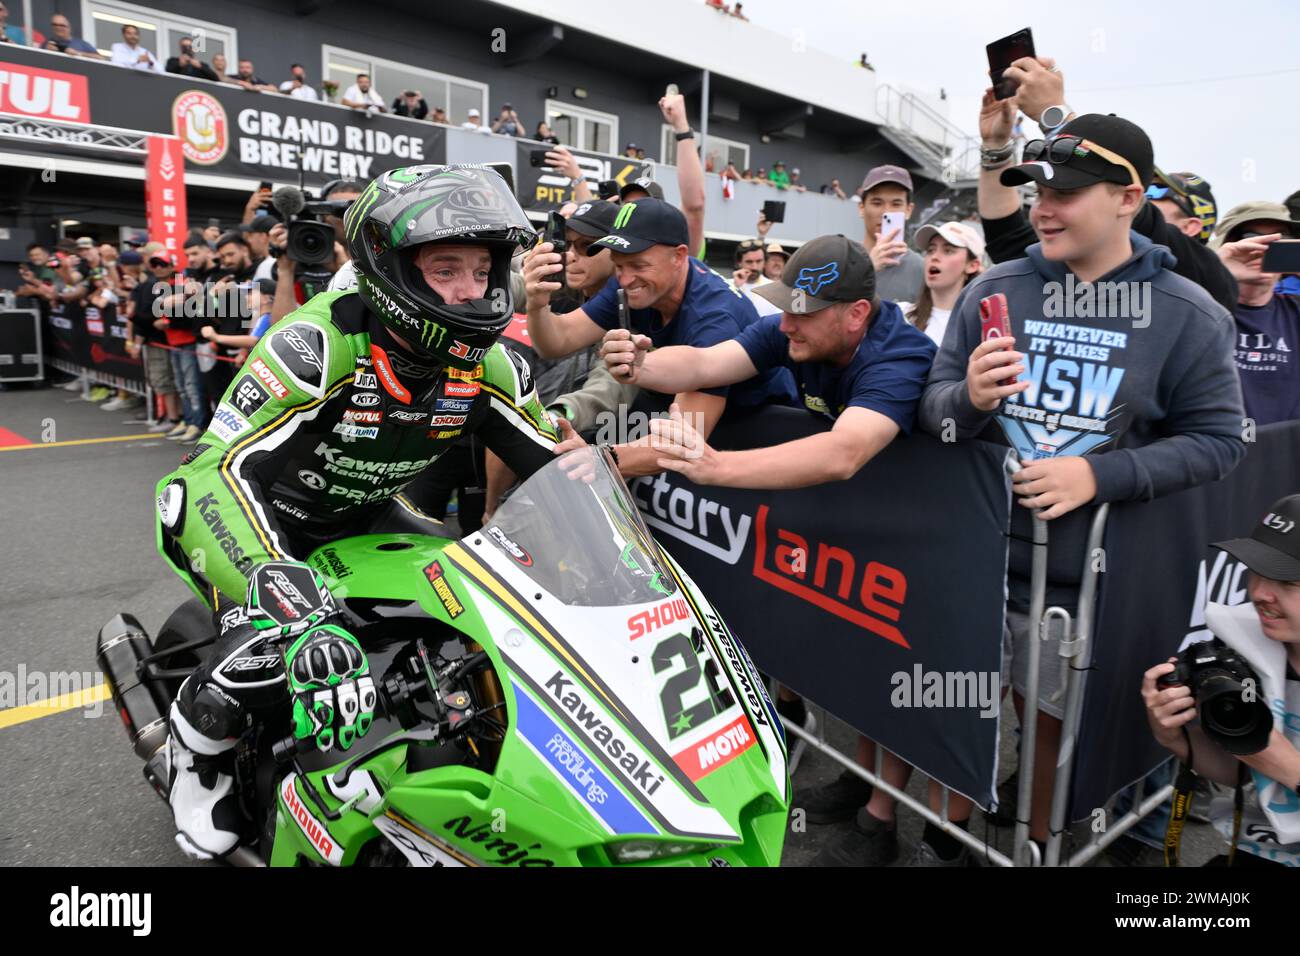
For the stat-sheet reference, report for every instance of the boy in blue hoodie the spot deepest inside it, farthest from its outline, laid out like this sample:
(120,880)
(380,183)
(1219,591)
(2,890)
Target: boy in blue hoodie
(1116,384)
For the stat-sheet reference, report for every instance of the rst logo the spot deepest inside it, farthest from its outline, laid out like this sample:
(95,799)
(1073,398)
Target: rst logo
(794,566)
(647,622)
(701,523)
(268,378)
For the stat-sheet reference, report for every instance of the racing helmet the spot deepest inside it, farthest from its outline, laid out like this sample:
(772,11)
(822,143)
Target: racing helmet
(402,210)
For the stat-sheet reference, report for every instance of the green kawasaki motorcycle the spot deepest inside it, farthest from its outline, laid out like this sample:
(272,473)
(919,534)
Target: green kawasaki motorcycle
(554,691)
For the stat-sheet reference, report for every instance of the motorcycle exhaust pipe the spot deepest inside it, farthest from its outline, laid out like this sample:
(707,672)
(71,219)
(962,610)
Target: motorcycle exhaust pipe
(120,649)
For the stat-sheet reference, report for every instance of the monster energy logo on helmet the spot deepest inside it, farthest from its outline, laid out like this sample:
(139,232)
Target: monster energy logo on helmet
(402,210)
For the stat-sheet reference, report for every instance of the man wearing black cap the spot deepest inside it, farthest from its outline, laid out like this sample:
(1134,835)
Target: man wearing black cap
(1266,632)
(643,188)
(1102,402)
(1186,202)
(856,360)
(671,297)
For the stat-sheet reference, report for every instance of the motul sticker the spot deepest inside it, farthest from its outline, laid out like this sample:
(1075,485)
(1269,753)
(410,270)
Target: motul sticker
(316,832)
(707,755)
(268,378)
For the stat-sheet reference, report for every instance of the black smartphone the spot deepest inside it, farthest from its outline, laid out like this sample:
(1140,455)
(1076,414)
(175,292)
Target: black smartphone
(1002,53)
(537,158)
(554,234)
(608,189)
(264,184)
(1282,256)
(774,210)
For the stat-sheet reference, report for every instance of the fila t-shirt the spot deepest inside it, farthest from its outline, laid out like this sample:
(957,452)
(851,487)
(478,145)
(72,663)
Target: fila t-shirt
(1266,359)
(887,373)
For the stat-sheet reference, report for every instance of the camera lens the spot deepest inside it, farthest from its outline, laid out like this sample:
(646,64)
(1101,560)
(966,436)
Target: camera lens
(1231,713)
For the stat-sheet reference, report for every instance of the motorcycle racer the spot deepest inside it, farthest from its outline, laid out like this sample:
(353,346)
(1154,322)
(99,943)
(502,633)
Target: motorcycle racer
(338,409)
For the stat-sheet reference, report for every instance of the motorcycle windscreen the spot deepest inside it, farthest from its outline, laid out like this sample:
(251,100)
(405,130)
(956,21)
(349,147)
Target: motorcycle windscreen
(573,529)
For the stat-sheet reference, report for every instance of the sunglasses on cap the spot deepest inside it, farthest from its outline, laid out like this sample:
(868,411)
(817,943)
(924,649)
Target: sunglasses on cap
(749,245)
(1059,149)
(1179,199)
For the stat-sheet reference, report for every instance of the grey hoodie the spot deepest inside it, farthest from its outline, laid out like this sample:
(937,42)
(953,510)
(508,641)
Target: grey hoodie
(1149,392)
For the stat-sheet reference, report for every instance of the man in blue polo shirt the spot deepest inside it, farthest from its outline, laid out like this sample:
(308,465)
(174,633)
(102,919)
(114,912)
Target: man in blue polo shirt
(672,300)
(857,363)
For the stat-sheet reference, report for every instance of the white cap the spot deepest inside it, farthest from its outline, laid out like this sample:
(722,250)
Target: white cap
(473,112)
(956,233)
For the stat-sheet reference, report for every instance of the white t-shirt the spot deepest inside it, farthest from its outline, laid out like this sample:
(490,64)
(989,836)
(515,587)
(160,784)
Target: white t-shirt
(303,92)
(477,127)
(937,325)
(354,95)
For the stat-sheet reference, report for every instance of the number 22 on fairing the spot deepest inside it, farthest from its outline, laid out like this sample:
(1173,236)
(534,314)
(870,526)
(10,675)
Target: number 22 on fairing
(680,717)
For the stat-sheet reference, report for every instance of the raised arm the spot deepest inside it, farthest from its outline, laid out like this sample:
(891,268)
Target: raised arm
(676,369)
(690,171)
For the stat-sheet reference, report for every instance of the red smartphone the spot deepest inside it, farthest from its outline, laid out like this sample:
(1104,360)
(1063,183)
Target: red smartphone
(995,322)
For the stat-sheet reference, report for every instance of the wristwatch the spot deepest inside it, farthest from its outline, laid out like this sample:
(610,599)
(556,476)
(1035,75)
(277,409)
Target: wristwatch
(576,181)
(1054,116)
(689,134)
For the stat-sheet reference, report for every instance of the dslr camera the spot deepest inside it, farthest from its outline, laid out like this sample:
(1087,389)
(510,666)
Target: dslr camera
(1228,694)
(311,240)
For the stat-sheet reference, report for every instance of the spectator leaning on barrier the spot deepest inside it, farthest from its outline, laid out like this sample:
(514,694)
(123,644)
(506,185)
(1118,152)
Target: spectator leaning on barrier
(61,40)
(899,270)
(129,53)
(10,34)
(778,177)
(1268,321)
(671,296)
(410,103)
(1008,233)
(543,134)
(953,257)
(297,85)
(186,63)
(247,78)
(219,67)
(507,122)
(1156,401)
(1265,631)
(360,96)
(474,121)
(795,185)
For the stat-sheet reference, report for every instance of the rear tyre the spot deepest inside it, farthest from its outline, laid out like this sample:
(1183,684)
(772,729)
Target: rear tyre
(189,622)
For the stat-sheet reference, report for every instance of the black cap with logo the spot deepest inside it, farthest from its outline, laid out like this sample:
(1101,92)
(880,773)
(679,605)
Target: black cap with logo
(642,224)
(824,272)
(1273,548)
(593,219)
(1082,167)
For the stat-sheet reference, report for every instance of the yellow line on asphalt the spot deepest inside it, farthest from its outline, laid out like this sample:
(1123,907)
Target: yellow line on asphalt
(79,441)
(55,705)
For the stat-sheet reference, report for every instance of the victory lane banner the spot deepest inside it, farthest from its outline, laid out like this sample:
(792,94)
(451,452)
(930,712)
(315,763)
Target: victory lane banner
(880,598)
(48,101)
(1159,573)
(540,188)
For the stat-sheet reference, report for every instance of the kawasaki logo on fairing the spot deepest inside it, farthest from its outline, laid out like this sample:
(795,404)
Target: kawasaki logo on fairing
(209,509)
(738,666)
(640,771)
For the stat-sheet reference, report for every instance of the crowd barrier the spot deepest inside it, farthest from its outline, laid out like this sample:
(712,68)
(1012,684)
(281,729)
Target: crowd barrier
(882,599)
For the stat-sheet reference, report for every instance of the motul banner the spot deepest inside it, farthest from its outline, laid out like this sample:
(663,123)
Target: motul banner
(164,192)
(881,598)
(37,93)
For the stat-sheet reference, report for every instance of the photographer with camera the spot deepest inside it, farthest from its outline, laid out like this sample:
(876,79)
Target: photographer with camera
(1255,661)
(301,242)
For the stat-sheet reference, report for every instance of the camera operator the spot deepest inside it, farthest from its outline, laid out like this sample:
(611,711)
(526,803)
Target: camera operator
(1265,632)
(288,273)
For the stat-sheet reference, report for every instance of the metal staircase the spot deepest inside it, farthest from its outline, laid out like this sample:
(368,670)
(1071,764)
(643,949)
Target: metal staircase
(942,150)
